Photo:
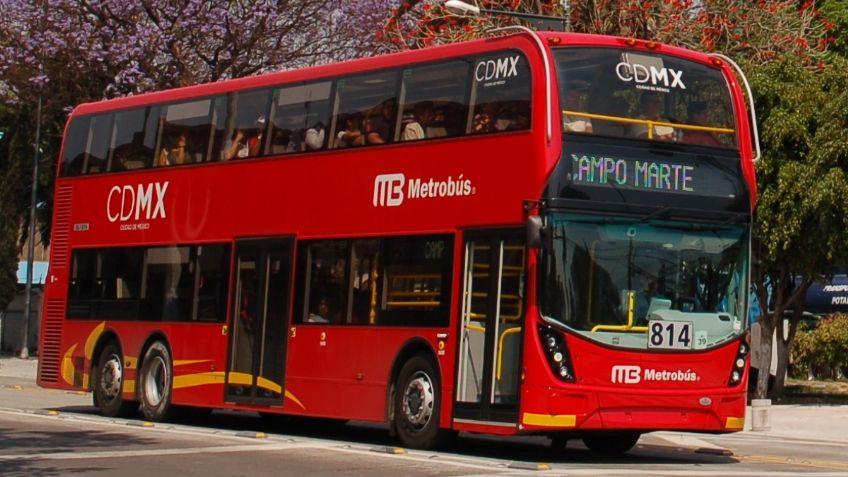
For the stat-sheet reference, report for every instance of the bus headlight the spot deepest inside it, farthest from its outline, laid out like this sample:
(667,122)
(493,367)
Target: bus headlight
(738,365)
(556,352)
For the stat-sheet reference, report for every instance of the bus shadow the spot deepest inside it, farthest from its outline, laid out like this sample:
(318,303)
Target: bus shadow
(521,449)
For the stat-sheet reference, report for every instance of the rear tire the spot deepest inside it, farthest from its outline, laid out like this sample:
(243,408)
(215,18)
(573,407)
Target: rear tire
(108,383)
(417,401)
(156,383)
(612,443)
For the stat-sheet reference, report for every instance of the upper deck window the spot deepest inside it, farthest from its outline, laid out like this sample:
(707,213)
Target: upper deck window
(185,133)
(300,116)
(434,100)
(648,96)
(485,93)
(501,91)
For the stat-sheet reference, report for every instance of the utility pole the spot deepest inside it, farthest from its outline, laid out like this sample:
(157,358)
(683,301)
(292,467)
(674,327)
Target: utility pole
(31,245)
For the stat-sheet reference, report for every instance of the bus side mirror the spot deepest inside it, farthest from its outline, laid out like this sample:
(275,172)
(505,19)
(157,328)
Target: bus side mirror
(536,232)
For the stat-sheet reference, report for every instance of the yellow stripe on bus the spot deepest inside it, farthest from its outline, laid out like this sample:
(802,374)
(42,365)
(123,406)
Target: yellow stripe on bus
(550,420)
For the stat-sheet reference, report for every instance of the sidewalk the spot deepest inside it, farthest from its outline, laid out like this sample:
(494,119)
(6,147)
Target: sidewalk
(23,369)
(794,421)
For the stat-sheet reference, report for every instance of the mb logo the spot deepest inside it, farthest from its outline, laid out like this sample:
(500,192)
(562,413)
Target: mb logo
(388,190)
(626,374)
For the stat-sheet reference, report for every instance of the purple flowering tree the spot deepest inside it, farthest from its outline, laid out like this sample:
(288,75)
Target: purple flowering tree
(72,51)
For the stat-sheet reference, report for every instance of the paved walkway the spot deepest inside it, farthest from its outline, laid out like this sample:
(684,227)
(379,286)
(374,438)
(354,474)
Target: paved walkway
(817,421)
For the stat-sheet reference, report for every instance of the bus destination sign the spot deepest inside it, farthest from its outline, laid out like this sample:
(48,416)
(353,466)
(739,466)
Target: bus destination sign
(635,174)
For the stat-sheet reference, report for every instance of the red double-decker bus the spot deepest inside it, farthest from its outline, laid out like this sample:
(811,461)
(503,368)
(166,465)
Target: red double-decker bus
(537,233)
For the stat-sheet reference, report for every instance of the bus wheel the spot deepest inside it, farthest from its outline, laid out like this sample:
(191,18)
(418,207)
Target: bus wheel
(108,382)
(612,443)
(417,400)
(156,381)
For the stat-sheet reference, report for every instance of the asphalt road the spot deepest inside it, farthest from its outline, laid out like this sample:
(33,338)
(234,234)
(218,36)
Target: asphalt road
(47,433)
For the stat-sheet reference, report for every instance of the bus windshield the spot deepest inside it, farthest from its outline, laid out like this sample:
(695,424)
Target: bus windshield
(623,93)
(608,279)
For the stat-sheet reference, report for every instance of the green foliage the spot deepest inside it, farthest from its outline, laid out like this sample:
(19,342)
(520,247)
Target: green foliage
(836,11)
(801,213)
(821,348)
(12,190)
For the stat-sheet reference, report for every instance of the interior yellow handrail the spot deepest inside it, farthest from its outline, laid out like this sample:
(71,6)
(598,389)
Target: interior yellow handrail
(631,305)
(506,332)
(648,122)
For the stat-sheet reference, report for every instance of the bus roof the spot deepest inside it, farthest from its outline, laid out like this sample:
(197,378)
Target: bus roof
(552,39)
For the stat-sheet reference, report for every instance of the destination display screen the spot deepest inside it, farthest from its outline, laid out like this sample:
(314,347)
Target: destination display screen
(650,176)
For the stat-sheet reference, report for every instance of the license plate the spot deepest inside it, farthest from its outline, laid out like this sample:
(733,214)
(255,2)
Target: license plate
(670,334)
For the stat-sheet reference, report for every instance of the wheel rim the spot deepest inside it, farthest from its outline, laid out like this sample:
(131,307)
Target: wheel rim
(111,377)
(155,381)
(418,400)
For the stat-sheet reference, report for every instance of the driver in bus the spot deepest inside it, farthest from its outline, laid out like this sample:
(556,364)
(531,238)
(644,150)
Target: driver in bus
(649,290)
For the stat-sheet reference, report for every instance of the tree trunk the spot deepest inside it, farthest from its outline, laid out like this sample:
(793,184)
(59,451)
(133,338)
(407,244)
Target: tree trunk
(782,363)
(764,362)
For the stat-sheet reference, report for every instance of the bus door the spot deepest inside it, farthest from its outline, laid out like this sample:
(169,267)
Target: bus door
(491,327)
(256,365)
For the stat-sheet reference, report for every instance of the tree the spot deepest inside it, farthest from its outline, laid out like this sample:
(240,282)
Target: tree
(13,200)
(783,43)
(801,215)
(74,51)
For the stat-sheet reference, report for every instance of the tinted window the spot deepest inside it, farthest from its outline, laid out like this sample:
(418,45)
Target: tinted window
(134,139)
(75,141)
(300,118)
(646,96)
(97,143)
(173,283)
(373,100)
(185,133)
(434,100)
(247,118)
(501,93)
(403,281)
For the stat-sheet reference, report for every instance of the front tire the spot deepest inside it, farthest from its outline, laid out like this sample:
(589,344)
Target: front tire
(156,383)
(108,383)
(416,405)
(612,443)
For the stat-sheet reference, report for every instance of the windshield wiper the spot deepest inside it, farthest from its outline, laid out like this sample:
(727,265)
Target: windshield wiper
(657,213)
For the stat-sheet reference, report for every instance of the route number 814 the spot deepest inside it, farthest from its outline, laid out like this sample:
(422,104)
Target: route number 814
(670,334)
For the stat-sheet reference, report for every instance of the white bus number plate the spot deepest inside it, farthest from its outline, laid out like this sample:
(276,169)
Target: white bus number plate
(670,334)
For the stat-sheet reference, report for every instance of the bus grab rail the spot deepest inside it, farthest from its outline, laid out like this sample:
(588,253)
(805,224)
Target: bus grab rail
(754,128)
(631,305)
(650,123)
(544,52)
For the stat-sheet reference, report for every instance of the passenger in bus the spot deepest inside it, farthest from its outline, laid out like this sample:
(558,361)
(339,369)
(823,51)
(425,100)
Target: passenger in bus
(175,154)
(313,138)
(280,141)
(416,129)
(699,116)
(321,313)
(352,134)
(573,122)
(237,146)
(650,106)
(254,142)
(378,124)
(486,119)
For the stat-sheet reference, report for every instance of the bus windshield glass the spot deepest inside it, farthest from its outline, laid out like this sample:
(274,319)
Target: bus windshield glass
(612,279)
(621,93)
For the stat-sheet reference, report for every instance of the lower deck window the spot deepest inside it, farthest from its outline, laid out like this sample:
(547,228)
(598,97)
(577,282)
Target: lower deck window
(170,283)
(397,281)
